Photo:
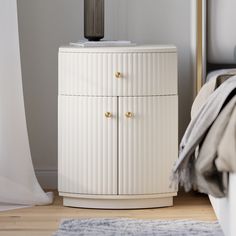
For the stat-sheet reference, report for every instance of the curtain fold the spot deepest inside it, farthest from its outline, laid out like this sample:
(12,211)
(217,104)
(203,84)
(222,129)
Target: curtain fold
(18,183)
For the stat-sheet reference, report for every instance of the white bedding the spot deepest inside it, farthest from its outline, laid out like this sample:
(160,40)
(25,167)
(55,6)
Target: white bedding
(225,208)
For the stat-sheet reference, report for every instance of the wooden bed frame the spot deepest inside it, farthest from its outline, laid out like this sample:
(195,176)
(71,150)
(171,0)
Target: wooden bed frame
(225,208)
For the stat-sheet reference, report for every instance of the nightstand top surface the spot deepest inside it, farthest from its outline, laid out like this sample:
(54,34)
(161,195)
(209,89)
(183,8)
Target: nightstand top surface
(136,48)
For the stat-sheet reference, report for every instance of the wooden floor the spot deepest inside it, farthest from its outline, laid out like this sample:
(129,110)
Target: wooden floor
(44,220)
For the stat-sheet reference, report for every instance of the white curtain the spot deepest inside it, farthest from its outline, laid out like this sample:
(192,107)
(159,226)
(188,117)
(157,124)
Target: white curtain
(18,183)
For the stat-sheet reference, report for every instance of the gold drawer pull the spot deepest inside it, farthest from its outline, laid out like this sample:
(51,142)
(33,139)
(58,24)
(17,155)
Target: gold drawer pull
(108,114)
(118,75)
(129,114)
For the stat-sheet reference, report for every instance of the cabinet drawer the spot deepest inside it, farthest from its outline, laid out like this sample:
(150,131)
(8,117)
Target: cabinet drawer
(118,74)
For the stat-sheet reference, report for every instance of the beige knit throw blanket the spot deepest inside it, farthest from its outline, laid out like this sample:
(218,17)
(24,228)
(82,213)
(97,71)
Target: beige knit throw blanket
(208,147)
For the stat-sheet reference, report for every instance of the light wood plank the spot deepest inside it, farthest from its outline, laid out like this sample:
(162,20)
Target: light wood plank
(43,220)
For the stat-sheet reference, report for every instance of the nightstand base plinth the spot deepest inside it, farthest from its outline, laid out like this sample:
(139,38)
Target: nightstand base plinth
(118,201)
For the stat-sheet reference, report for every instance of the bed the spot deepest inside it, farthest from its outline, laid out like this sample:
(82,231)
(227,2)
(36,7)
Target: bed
(217,50)
(207,155)
(225,208)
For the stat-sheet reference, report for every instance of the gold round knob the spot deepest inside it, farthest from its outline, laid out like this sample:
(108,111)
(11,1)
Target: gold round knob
(118,75)
(108,114)
(129,114)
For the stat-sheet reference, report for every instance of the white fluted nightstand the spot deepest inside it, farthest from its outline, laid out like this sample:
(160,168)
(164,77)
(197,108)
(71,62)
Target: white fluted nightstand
(118,126)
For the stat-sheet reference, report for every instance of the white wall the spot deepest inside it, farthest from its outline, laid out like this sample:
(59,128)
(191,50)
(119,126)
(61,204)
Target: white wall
(46,24)
(166,21)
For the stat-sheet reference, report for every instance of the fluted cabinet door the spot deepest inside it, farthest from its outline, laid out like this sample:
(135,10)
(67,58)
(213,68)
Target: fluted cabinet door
(87,145)
(148,144)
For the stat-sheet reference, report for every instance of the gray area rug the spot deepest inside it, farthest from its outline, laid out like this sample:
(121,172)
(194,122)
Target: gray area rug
(131,227)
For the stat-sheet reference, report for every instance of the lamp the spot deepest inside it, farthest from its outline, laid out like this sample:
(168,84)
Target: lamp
(93,19)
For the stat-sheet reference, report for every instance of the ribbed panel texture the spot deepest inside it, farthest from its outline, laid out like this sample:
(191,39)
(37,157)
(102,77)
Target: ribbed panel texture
(87,143)
(148,144)
(93,74)
(117,155)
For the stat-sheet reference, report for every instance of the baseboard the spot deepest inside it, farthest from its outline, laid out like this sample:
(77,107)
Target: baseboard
(47,178)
